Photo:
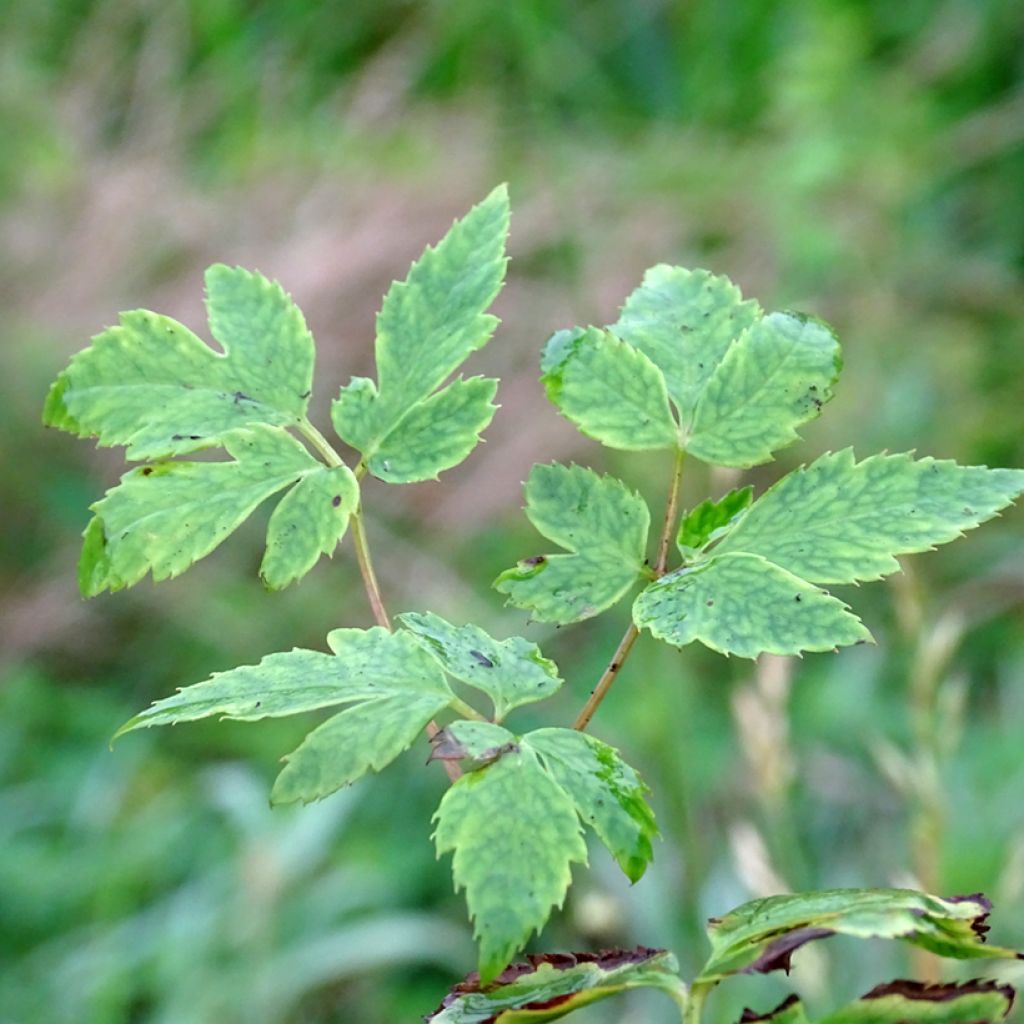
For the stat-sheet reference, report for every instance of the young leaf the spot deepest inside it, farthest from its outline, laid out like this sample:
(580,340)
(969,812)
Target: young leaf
(152,385)
(472,744)
(551,986)
(426,328)
(601,522)
(911,1002)
(367,665)
(511,672)
(307,523)
(165,516)
(514,834)
(610,390)
(762,935)
(839,521)
(709,520)
(743,604)
(609,795)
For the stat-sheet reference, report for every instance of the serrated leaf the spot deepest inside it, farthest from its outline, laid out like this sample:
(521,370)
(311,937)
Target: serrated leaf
(684,321)
(762,935)
(152,385)
(911,1002)
(610,390)
(608,793)
(511,672)
(709,520)
(774,377)
(308,522)
(743,604)
(163,517)
(472,744)
(601,522)
(553,985)
(514,834)
(839,521)
(426,328)
(438,433)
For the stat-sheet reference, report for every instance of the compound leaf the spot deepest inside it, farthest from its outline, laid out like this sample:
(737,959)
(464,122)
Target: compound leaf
(152,385)
(610,390)
(308,522)
(774,377)
(553,985)
(514,834)
(709,520)
(743,604)
(426,328)
(608,793)
(601,522)
(511,672)
(163,517)
(839,521)
(762,935)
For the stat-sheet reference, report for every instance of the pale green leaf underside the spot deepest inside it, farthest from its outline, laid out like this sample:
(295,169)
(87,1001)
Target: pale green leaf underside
(308,522)
(608,793)
(774,377)
(514,834)
(152,385)
(438,433)
(839,521)
(709,519)
(569,985)
(760,935)
(611,391)
(745,605)
(428,325)
(163,517)
(601,522)
(367,665)
(511,672)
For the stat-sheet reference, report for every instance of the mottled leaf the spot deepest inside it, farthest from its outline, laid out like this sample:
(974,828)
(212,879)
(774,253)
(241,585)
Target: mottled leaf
(307,523)
(511,672)
(743,604)
(762,935)
(838,521)
(608,793)
(709,520)
(601,522)
(163,517)
(551,986)
(514,834)
(428,325)
(610,390)
(150,384)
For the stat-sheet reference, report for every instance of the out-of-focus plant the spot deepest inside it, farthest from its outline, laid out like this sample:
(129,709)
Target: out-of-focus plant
(689,369)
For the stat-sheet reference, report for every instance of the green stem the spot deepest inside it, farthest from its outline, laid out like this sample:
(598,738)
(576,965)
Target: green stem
(320,443)
(466,710)
(604,684)
(699,991)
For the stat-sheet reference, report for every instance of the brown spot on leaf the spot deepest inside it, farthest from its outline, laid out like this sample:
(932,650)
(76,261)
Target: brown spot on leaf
(750,1017)
(778,953)
(536,560)
(146,470)
(939,993)
(336,500)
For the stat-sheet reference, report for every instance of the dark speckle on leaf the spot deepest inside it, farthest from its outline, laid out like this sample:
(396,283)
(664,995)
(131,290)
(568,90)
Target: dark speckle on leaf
(482,659)
(146,470)
(240,396)
(536,560)
(336,500)
(305,395)
(709,602)
(798,598)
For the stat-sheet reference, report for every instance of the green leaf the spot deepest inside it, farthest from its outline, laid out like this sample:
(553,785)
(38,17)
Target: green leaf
(152,385)
(472,744)
(910,1002)
(511,672)
(789,1011)
(743,604)
(514,834)
(684,321)
(762,935)
(709,520)
(776,376)
(839,521)
(601,522)
(610,390)
(553,985)
(437,434)
(608,794)
(307,523)
(428,325)
(165,516)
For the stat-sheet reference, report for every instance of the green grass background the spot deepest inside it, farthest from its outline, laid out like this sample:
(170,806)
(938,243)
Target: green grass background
(863,162)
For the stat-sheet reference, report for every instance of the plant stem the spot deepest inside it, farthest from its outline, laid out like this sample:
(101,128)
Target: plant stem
(698,993)
(604,684)
(320,443)
(466,710)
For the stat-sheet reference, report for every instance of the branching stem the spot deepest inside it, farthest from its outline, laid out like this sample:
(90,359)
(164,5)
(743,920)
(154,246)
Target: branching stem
(604,684)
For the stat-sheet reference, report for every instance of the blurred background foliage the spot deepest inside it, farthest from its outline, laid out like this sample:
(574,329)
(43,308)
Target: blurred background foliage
(859,161)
